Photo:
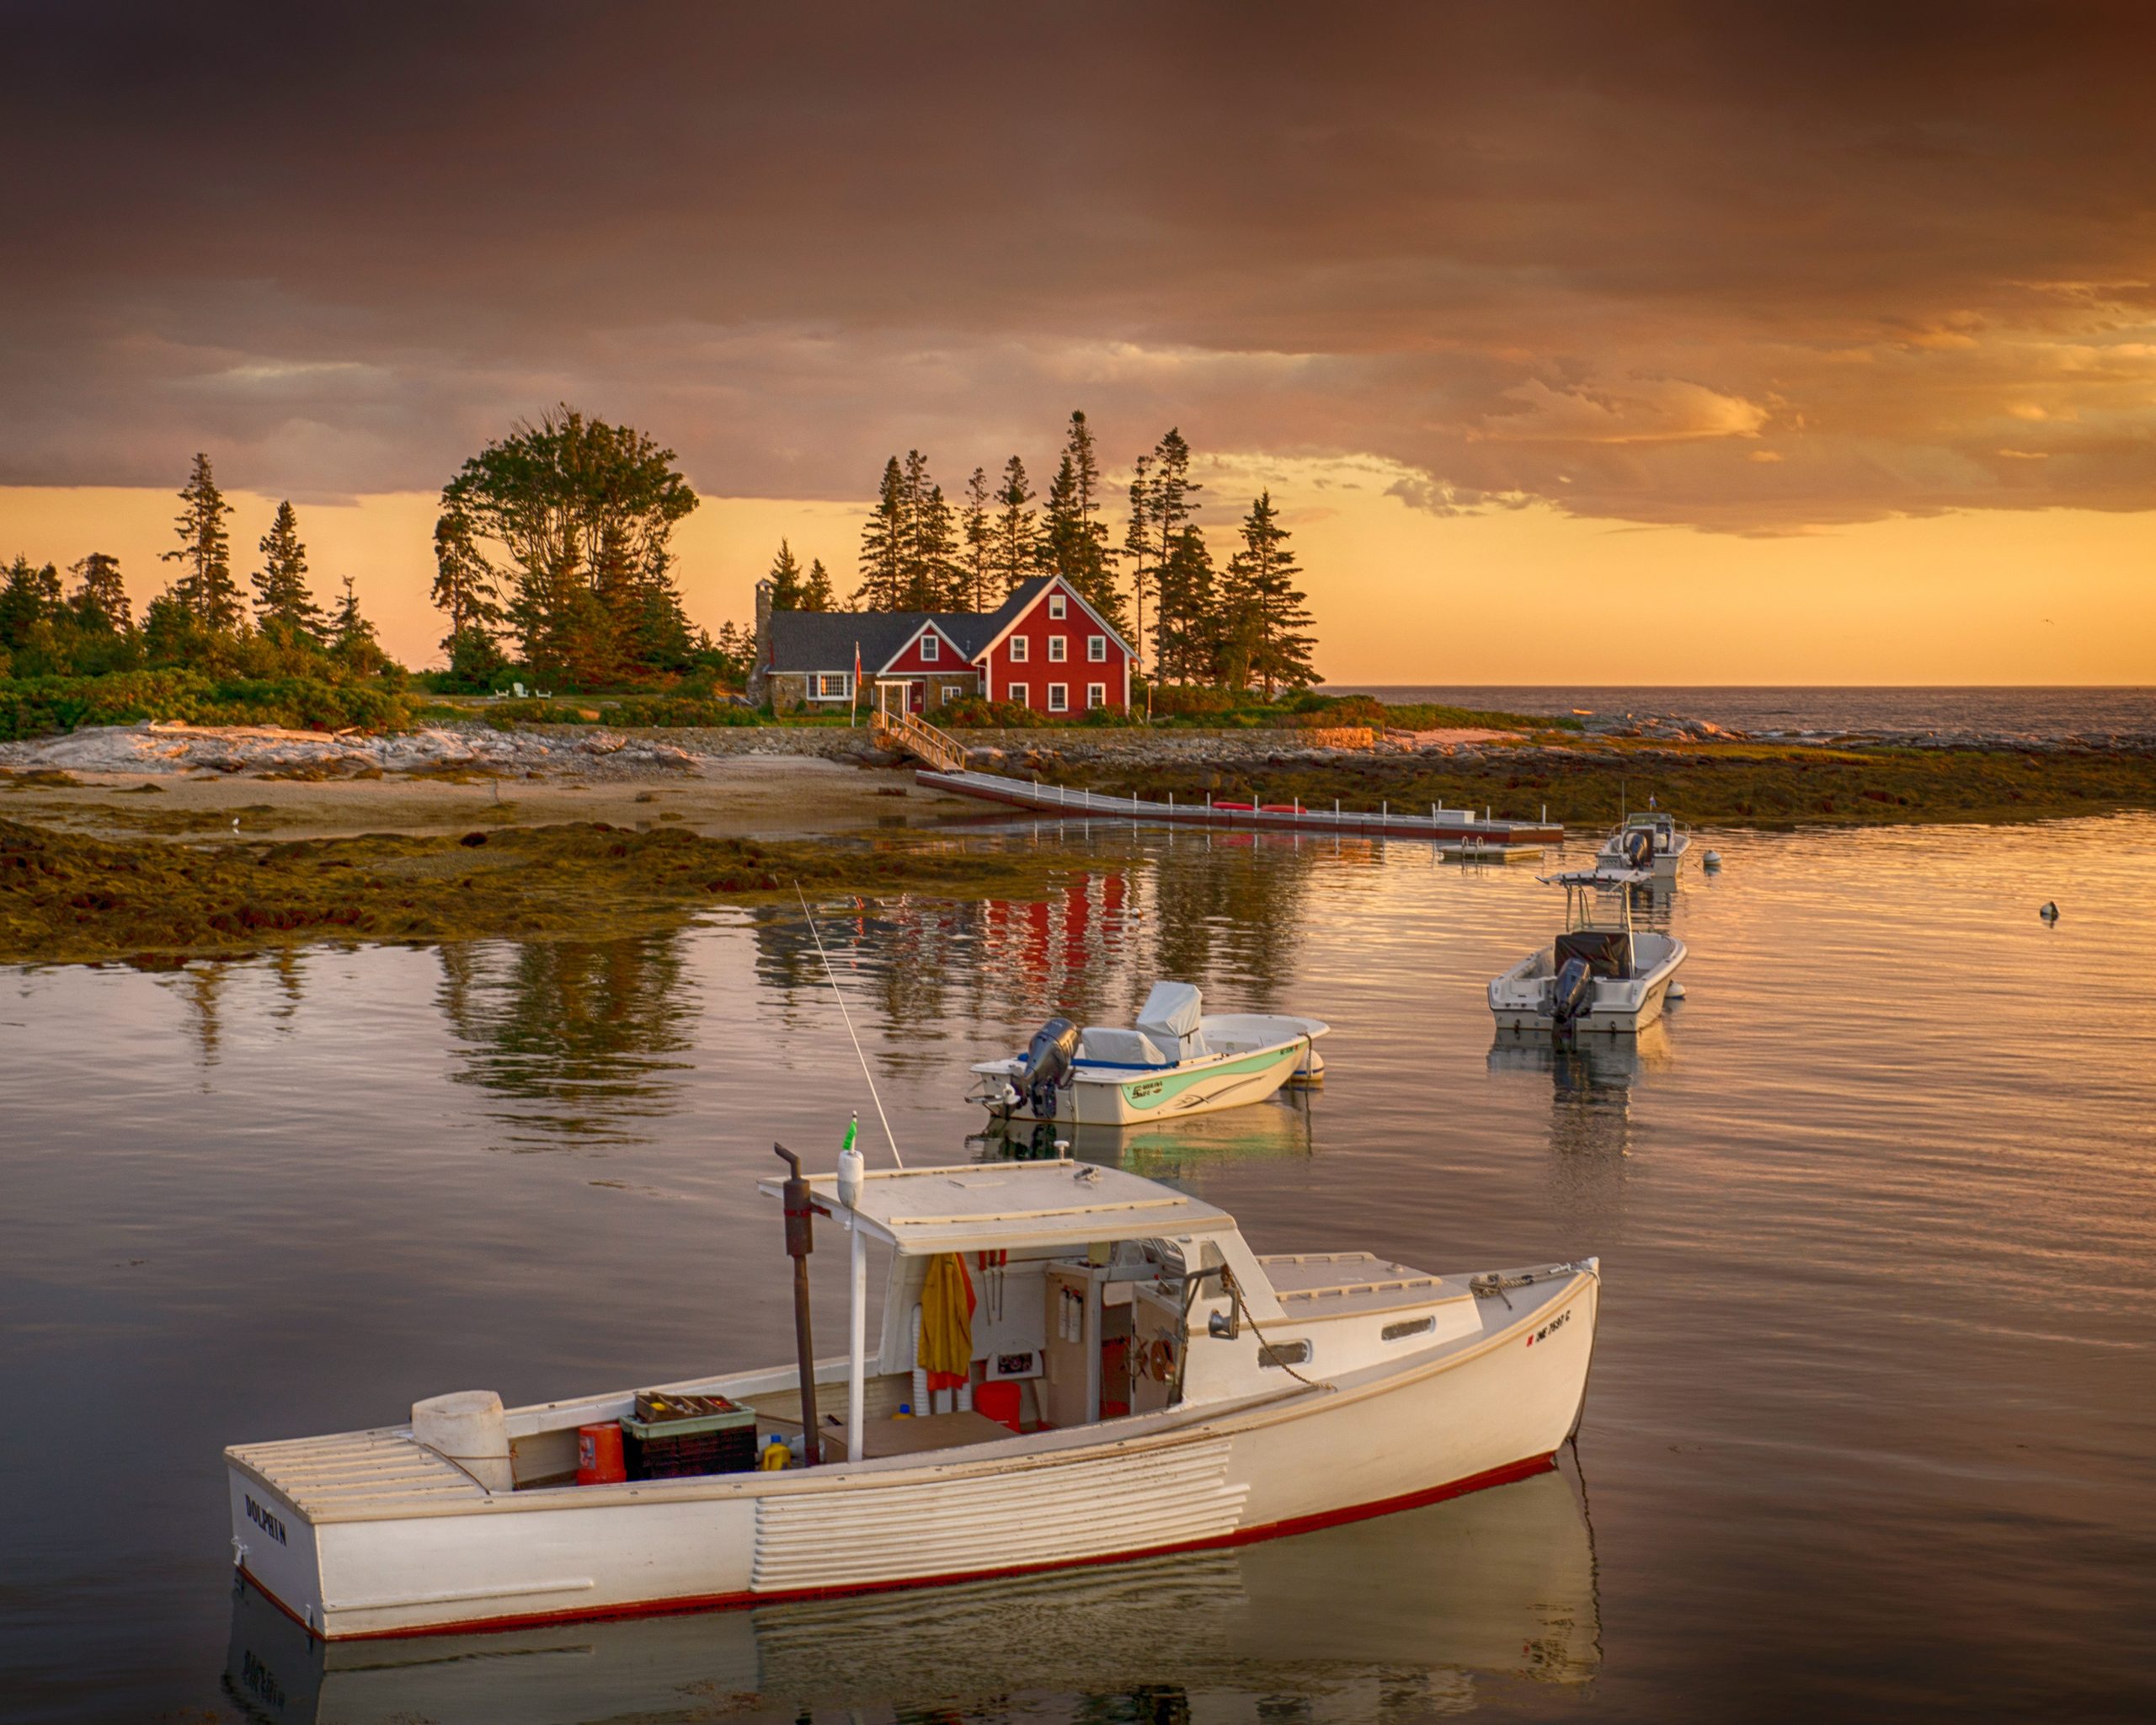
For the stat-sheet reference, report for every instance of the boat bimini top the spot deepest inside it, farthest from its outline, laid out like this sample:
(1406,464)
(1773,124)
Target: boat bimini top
(1012,1206)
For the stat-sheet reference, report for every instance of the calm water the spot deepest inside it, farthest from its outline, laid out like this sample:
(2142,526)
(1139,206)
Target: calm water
(2045,712)
(1870,1426)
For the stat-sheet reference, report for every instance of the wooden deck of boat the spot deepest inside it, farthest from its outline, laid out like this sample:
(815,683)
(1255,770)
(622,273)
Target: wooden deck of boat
(1333,1283)
(352,1473)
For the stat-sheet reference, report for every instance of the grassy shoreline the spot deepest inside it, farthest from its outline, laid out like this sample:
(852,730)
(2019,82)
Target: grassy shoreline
(1720,784)
(65,899)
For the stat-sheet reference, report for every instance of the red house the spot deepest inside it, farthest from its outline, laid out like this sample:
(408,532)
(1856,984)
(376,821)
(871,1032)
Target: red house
(1044,648)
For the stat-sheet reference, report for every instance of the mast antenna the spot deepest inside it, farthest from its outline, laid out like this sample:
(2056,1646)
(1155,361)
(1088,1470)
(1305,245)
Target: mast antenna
(829,977)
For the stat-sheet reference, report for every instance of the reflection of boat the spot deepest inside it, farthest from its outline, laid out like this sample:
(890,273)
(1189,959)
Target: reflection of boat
(1187,1393)
(1613,1063)
(1278,1128)
(1498,1584)
(1600,974)
(1178,1062)
(1653,843)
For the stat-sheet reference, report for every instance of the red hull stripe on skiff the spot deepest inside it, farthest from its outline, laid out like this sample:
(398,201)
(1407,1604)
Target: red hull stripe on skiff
(716,1602)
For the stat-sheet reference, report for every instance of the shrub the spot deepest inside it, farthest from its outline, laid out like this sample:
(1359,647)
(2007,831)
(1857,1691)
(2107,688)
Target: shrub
(31,707)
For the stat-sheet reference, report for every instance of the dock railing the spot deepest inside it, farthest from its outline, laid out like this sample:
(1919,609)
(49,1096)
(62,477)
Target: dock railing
(917,737)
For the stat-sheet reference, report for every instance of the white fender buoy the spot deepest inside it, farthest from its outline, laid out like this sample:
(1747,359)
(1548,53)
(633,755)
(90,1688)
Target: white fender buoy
(2050,912)
(1712,860)
(1676,991)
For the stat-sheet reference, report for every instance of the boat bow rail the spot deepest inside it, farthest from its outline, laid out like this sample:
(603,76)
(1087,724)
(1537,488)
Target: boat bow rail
(1446,826)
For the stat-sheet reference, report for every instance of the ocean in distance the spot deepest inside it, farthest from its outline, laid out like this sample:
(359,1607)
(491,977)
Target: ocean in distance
(2048,714)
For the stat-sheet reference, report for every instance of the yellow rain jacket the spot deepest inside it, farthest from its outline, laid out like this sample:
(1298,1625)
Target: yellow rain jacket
(946,1322)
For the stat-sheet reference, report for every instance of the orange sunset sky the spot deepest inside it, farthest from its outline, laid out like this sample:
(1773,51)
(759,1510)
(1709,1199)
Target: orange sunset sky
(1674,344)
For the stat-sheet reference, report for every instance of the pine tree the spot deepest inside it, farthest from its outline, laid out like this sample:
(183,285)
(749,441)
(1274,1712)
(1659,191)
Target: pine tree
(788,584)
(933,576)
(30,600)
(1264,607)
(1170,506)
(816,593)
(883,544)
(1138,546)
(978,534)
(351,636)
(466,588)
(1014,554)
(101,592)
(282,602)
(204,588)
(1186,639)
(1094,562)
(1060,545)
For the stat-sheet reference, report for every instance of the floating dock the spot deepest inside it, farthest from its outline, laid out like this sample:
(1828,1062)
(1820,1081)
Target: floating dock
(1455,831)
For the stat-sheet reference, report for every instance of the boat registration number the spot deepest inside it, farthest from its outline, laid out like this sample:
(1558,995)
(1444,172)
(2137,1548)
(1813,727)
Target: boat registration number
(1550,1329)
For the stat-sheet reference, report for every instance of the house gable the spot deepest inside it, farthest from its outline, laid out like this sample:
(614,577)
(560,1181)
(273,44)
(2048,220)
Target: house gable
(1021,605)
(947,655)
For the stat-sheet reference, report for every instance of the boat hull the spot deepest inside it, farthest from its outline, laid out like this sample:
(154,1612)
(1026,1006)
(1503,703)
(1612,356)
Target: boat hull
(1466,1414)
(1140,1096)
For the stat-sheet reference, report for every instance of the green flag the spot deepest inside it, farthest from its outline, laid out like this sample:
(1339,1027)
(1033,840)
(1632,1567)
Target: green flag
(852,1126)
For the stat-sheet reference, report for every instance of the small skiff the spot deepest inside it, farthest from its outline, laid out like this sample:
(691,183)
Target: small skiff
(1158,1387)
(1599,973)
(1653,842)
(1179,1061)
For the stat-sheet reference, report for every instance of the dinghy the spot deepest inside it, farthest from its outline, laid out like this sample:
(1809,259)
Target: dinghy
(1653,842)
(1599,973)
(1140,1381)
(1178,1060)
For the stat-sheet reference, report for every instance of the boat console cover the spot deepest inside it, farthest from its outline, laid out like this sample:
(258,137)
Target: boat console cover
(1173,1015)
(1608,952)
(1105,1045)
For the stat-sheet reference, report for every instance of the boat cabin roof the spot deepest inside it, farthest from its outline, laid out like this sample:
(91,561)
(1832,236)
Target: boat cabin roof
(1007,1206)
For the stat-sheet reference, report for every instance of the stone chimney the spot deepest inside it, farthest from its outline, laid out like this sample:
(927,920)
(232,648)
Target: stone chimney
(759,678)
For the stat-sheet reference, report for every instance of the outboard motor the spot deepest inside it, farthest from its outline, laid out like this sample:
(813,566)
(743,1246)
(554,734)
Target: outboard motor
(1048,1062)
(1574,992)
(1639,848)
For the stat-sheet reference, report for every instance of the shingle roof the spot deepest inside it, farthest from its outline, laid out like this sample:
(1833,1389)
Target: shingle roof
(824,640)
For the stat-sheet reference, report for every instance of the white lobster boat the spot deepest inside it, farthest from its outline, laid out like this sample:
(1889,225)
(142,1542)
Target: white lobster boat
(1176,1391)
(1179,1061)
(1653,843)
(1599,973)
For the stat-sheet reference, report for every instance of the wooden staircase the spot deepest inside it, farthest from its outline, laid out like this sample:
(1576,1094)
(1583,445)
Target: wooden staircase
(918,737)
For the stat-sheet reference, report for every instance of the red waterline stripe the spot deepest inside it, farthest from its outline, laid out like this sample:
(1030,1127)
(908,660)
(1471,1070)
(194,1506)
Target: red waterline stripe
(1526,1469)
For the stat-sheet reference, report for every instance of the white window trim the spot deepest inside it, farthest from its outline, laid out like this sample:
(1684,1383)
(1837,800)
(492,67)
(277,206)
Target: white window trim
(1096,695)
(1019,694)
(1058,649)
(1058,698)
(1020,649)
(817,680)
(1058,607)
(1097,649)
(931,649)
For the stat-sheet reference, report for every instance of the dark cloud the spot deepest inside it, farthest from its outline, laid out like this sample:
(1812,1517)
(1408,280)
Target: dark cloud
(1753,268)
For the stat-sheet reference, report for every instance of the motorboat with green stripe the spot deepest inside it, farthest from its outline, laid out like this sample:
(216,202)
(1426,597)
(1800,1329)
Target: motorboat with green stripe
(1178,1059)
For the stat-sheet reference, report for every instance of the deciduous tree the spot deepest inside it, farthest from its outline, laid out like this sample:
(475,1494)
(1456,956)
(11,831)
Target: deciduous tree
(574,518)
